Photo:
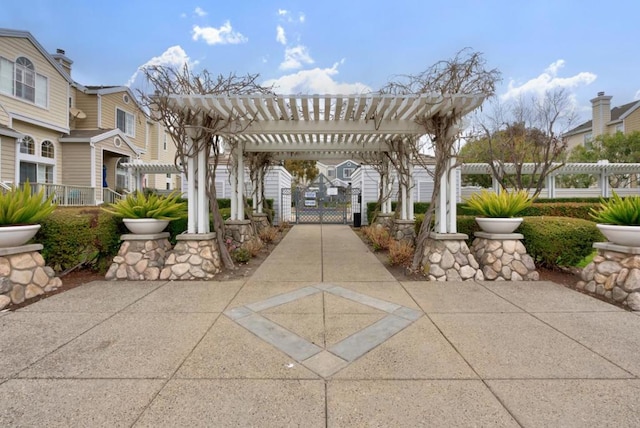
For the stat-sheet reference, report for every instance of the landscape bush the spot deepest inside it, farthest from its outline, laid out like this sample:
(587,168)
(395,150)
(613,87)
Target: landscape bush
(75,236)
(400,253)
(558,241)
(268,234)
(378,237)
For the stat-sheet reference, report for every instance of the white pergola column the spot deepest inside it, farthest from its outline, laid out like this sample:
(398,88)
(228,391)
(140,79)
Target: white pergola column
(259,203)
(452,199)
(411,190)
(201,193)
(551,186)
(240,189)
(191,189)
(233,179)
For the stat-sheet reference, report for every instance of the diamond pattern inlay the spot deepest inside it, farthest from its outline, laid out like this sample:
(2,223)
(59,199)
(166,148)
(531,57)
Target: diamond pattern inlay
(325,362)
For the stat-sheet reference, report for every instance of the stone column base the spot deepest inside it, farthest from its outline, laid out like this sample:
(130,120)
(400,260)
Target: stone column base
(23,274)
(447,257)
(195,257)
(385,220)
(404,230)
(140,258)
(614,274)
(261,220)
(502,257)
(237,232)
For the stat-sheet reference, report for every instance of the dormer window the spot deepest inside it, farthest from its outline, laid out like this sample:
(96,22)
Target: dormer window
(20,80)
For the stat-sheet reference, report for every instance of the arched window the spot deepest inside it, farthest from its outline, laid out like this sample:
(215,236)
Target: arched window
(27,145)
(25,79)
(47,149)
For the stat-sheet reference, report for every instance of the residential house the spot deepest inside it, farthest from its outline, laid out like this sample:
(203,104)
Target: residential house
(605,120)
(56,131)
(339,172)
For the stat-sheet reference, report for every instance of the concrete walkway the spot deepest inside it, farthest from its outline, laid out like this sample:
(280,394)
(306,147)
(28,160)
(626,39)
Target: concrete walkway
(320,335)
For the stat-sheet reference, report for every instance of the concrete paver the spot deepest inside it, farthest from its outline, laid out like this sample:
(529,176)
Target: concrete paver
(515,345)
(442,403)
(128,345)
(571,403)
(171,353)
(237,403)
(74,402)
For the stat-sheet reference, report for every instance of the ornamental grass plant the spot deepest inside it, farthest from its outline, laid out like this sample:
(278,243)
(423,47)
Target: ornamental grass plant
(618,211)
(498,205)
(21,206)
(138,205)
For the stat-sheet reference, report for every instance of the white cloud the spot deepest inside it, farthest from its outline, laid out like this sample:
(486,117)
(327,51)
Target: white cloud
(548,80)
(283,12)
(183,15)
(281,37)
(295,57)
(302,18)
(174,57)
(316,81)
(637,95)
(200,12)
(218,36)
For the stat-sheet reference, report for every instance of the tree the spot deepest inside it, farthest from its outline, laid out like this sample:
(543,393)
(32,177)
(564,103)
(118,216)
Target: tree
(616,148)
(195,129)
(303,171)
(464,74)
(475,151)
(527,130)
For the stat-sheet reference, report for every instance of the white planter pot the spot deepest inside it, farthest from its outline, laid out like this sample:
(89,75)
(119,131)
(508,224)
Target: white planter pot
(145,226)
(15,236)
(628,236)
(499,225)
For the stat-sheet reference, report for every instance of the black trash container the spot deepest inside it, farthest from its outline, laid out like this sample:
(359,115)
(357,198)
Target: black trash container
(357,219)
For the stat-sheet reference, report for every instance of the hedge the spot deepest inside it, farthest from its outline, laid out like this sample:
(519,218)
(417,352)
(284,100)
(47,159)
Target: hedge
(554,209)
(559,241)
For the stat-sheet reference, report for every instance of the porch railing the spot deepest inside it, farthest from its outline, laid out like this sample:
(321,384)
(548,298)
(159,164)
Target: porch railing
(110,196)
(68,195)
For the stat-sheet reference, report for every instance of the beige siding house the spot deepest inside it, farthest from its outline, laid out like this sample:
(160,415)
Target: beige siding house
(56,131)
(605,120)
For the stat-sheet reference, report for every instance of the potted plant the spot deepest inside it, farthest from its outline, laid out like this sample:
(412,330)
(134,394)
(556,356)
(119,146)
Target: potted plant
(148,213)
(20,212)
(497,211)
(619,219)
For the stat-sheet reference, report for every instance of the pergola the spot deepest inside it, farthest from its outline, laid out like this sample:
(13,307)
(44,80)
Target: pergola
(315,127)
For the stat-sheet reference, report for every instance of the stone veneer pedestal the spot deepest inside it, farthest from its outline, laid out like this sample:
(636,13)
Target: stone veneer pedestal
(238,232)
(502,257)
(446,257)
(261,220)
(614,274)
(23,274)
(140,258)
(385,220)
(195,257)
(404,230)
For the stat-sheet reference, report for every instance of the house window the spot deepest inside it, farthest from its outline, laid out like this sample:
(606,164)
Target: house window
(331,172)
(47,149)
(125,122)
(588,141)
(35,173)
(346,172)
(21,80)
(122,175)
(620,127)
(164,142)
(27,146)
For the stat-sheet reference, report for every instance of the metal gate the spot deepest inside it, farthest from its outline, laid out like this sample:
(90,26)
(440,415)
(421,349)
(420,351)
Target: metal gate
(322,202)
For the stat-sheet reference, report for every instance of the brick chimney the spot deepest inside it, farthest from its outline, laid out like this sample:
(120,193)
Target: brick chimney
(62,59)
(601,113)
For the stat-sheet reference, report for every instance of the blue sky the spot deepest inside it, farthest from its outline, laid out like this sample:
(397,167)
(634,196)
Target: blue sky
(347,46)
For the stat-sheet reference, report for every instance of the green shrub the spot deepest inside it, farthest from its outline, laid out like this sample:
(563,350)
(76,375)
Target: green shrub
(141,205)
(558,241)
(618,211)
(241,255)
(71,236)
(560,209)
(504,204)
(21,206)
